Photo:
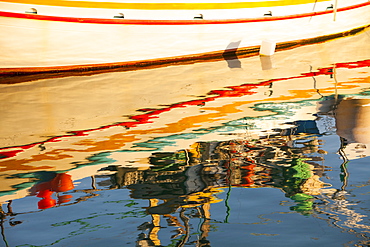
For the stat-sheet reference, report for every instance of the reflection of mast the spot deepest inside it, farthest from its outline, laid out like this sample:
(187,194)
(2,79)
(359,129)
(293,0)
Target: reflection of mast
(227,204)
(12,223)
(343,167)
(93,182)
(184,219)
(314,79)
(228,178)
(336,83)
(2,216)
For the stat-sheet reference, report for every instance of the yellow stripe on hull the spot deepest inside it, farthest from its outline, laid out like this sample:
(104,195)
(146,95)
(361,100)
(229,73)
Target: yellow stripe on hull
(165,6)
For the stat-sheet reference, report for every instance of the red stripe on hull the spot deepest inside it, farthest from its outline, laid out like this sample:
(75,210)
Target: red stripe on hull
(171,22)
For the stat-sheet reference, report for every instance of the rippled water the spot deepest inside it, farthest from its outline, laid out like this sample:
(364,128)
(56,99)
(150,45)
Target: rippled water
(258,151)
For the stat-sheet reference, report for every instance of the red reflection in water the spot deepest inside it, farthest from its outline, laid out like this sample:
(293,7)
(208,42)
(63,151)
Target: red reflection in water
(60,183)
(234,91)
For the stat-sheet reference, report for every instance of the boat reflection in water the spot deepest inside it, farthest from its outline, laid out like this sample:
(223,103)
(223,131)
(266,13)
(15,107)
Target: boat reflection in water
(260,161)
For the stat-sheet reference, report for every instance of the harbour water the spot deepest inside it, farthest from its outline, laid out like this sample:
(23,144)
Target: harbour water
(246,151)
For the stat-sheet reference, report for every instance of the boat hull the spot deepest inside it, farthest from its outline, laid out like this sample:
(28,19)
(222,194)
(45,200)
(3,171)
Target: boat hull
(48,41)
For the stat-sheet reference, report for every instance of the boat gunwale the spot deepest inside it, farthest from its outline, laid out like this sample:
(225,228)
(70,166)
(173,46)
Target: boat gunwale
(87,20)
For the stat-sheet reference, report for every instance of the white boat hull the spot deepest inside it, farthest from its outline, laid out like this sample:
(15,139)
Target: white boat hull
(47,41)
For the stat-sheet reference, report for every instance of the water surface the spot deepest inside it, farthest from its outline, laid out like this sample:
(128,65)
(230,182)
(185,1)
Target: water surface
(259,151)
